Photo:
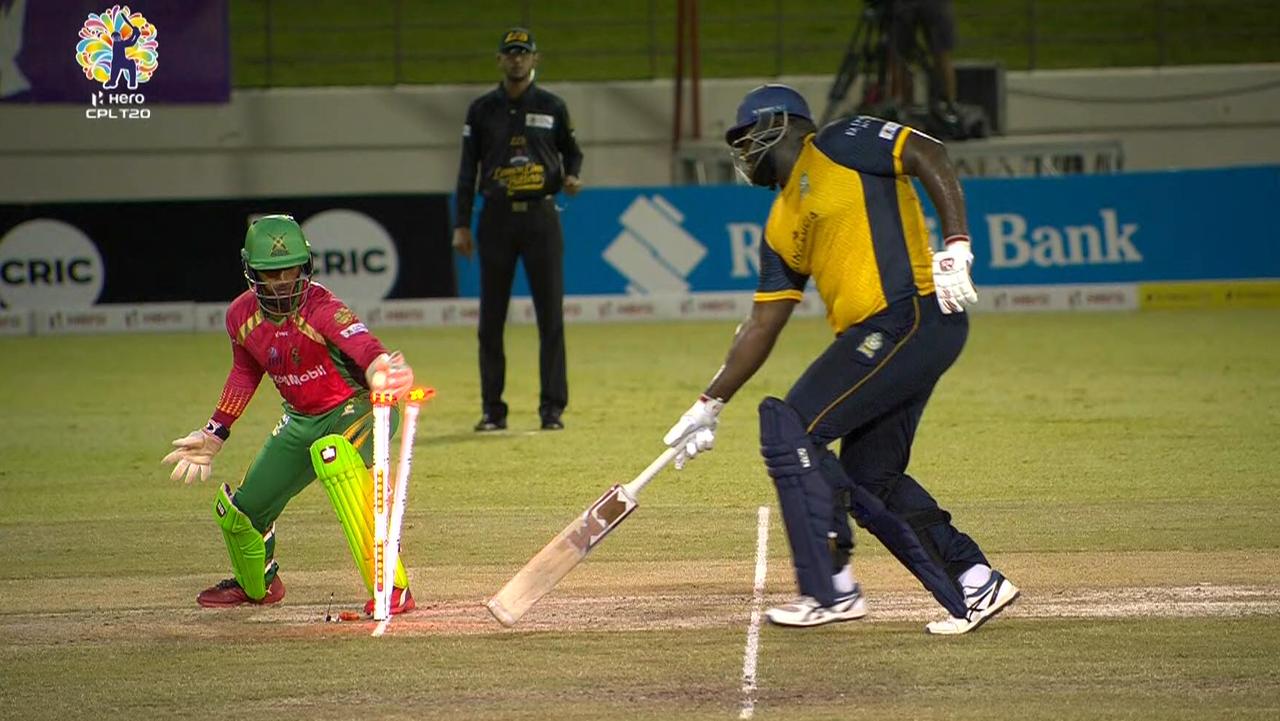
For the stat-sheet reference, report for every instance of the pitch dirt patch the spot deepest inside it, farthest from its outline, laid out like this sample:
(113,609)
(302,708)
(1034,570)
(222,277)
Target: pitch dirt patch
(569,613)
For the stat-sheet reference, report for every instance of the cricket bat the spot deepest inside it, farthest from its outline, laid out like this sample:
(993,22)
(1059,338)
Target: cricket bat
(570,546)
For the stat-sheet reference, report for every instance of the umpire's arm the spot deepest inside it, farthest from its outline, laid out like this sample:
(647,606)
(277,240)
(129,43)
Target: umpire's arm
(567,144)
(465,194)
(466,190)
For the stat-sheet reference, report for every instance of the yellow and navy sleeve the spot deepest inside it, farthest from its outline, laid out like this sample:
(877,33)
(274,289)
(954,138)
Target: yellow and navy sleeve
(777,280)
(865,144)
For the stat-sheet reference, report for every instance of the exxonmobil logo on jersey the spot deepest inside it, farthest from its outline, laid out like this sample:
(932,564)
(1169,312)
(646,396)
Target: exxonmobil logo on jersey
(1015,243)
(297,379)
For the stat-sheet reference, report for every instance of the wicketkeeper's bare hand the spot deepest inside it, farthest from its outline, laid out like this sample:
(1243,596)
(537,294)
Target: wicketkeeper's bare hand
(390,373)
(194,454)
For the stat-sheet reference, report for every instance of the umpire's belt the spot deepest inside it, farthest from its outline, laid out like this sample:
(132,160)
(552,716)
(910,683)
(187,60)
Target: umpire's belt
(522,205)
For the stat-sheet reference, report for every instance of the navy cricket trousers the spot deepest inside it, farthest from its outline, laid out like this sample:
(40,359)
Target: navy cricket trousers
(869,389)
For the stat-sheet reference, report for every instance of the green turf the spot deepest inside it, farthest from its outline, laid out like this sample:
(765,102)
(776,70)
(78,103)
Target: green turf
(1107,670)
(1103,451)
(336,42)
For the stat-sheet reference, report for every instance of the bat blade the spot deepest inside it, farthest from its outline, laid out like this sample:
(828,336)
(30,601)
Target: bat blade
(560,556)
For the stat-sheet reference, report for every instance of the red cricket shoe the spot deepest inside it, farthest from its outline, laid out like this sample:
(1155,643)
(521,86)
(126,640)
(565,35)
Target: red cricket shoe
(228,593)
(401,602)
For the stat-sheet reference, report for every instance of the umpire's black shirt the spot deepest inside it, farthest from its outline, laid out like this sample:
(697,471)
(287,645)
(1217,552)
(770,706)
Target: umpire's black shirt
(524,147)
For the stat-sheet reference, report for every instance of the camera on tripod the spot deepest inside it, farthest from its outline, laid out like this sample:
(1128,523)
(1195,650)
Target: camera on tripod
(884,51)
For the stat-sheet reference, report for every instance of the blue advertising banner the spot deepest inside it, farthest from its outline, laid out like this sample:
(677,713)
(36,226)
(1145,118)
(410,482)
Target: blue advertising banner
(73,51)
(1177,225)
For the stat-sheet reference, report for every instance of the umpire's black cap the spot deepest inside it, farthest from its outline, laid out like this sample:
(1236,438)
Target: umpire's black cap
(517,38)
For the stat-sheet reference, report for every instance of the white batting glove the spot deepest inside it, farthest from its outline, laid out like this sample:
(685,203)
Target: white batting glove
(695,431)
(390,373)
(951,276)
(194,454)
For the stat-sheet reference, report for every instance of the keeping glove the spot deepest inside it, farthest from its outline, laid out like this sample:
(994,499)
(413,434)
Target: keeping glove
(951,275)
(390,373)
(194,454)
(695,431)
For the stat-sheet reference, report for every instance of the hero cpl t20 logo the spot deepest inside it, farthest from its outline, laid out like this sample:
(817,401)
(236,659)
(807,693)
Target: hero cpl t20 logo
(117,46)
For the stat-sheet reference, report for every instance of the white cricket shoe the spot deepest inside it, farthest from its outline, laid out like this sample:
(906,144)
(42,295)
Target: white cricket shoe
(983,603)
(805,611)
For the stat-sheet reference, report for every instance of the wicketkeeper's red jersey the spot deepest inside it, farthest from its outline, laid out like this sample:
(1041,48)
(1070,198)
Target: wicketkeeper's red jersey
(316,356)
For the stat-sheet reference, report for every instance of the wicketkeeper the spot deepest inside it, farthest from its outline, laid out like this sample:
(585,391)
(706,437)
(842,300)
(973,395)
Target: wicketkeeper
(324,362)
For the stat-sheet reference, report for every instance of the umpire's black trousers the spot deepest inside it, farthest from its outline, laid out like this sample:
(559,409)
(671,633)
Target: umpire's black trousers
(528,230)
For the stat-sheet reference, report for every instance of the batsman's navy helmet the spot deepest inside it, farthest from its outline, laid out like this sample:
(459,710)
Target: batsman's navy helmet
(770,97)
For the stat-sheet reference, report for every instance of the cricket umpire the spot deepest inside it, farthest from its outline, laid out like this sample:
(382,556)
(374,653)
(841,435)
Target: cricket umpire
(520,139)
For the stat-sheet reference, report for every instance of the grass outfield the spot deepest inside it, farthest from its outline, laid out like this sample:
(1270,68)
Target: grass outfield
(1119,467)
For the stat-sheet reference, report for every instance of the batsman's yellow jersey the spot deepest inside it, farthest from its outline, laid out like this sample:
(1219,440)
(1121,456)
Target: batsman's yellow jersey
(850,219)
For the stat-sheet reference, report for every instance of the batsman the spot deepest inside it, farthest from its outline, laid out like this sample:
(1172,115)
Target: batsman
(847,216)
(324,362)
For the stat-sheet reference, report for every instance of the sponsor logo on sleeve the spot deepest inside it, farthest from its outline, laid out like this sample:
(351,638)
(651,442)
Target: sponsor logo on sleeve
(353,329)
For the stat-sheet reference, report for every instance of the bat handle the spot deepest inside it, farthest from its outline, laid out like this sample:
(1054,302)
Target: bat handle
(633,488)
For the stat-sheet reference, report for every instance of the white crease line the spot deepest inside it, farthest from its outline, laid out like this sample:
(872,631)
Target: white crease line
(752,651)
